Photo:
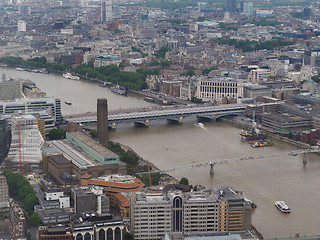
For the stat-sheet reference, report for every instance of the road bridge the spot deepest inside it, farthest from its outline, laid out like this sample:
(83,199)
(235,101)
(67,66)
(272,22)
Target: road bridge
(144,116)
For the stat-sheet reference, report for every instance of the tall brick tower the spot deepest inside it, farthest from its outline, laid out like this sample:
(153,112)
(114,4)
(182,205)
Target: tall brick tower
(102,121)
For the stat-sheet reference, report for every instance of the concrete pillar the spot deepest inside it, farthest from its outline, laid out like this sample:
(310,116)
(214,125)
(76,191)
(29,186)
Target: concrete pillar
(113,125)
(146,122)
(211,168)
(102,121)
(214,118)
(305,158)
(180,119)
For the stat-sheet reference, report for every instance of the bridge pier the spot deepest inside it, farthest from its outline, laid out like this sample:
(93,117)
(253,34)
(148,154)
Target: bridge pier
(142,123)
(113,125)
(212,168)
(180,119)
(305,160)
(176,120)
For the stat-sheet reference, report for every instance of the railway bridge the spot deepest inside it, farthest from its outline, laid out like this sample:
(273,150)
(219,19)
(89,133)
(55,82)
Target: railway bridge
(177,114)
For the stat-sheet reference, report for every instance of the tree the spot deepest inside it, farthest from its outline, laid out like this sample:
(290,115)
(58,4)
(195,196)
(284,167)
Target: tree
(57,134)
(127,236)
(184,181)
(35,219)
(93,133)
(190,72)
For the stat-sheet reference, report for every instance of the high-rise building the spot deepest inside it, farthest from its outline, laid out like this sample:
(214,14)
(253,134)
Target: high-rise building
(5,138)
(109,13)
(26,141)
(231,5)
(10,90)
(22,26)
(248,9)
(102,121)
(103,12)
(307,12)
(4,192)
(241,6)
(216,210)
(24,10)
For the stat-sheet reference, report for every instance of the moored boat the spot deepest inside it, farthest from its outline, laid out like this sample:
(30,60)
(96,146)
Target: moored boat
(282,206)
(117,89)
(20,69)
(68,103)
(70,76)
(103,85)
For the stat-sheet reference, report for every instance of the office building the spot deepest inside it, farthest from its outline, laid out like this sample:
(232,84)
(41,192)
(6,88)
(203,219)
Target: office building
(248,9)
(51,105)
(26,141)
(217,210)
(259,75)
(106,11)
(5,138)
(255,90)
(307,12)
(231,5)
(24,10)
(22,26)
(10,90)
(4,192)
(312,57)
(52,206)
(90,200)
(217,89)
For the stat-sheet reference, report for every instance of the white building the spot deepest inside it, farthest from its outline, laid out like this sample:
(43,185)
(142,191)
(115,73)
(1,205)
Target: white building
(217,89)
(26,140)
(259,75)
(22,26)
(248,9)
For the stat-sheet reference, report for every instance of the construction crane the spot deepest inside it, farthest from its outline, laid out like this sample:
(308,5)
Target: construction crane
(19,146)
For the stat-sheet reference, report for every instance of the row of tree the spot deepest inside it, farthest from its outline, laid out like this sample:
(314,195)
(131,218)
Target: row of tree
(21,189)
(111,73)
(34,63)
(248,46)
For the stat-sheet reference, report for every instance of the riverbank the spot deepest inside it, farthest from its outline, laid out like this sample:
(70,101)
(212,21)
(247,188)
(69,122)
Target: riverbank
(241,123)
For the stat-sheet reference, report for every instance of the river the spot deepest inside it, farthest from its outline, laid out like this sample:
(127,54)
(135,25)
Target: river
(168,146)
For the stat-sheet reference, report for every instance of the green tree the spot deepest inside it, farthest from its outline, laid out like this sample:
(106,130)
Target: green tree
(93,133)
(127,236)
(190,72)
(184,181)
(35,219)
(57,134)
(162,52)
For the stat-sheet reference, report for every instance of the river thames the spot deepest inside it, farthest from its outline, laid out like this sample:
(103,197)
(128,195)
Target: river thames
(171,146)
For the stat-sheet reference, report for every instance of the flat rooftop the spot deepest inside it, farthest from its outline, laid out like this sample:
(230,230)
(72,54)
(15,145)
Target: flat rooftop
(74,154)
(92,144)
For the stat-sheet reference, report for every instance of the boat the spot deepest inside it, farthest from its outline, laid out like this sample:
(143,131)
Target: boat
(117,89)
(68,103)
(44,71)
(103,85)
(20,69)
(70,76)
(282,206)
